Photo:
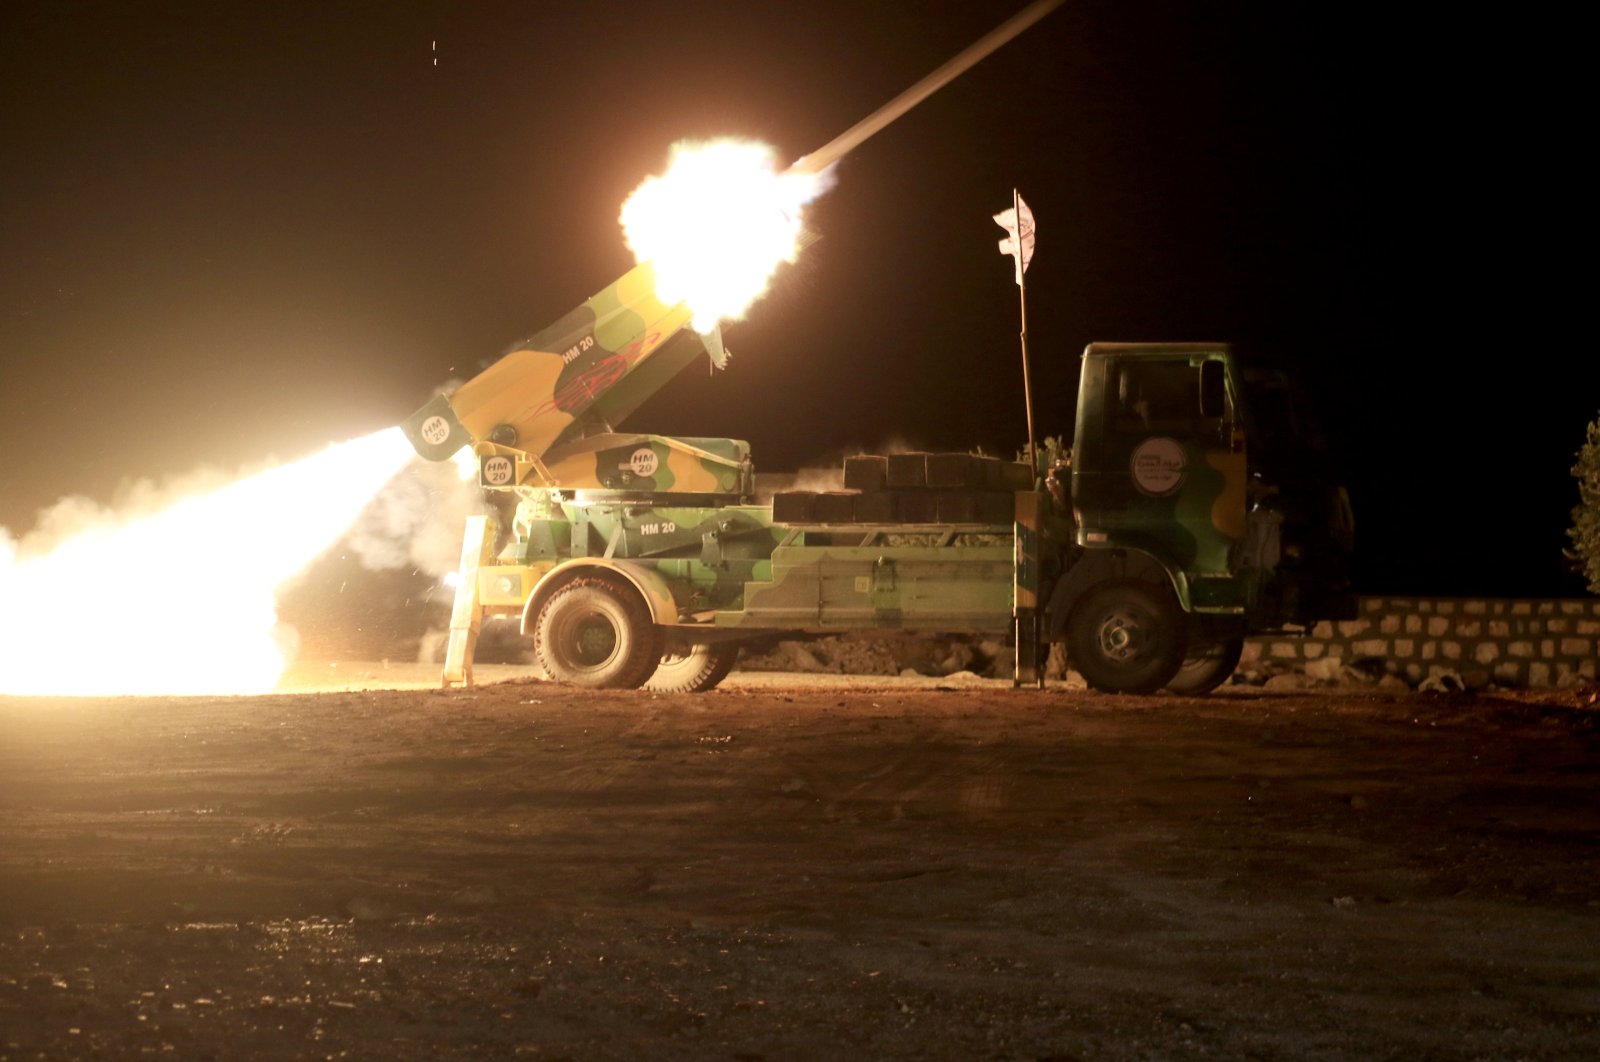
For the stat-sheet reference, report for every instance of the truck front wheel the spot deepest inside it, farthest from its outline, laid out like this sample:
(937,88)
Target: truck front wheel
(1208,665)
(692,667)
(595,633)
(1126,637)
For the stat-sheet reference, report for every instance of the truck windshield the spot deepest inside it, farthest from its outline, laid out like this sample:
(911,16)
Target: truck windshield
(1157,395)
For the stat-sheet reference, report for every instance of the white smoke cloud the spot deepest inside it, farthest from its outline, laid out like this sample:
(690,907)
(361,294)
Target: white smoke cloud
(416,521)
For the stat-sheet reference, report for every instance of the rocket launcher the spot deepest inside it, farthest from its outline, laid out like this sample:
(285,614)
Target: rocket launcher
(544,414)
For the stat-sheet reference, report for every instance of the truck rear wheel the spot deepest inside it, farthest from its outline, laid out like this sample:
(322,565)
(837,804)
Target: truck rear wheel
(692,667)
(1208,665)
(1126,637)
(594,632)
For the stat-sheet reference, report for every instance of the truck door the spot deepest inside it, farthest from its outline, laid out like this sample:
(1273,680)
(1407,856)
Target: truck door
(1162,466)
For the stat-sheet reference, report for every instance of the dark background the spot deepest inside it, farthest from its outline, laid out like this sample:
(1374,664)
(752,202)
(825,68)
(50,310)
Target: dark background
(232,231)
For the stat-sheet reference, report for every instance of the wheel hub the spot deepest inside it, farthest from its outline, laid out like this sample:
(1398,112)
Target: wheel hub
(1121,636)
(594,640)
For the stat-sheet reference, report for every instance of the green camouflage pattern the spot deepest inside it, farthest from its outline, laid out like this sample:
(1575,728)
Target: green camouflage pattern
(1150,473)
(951,587)
(706,554)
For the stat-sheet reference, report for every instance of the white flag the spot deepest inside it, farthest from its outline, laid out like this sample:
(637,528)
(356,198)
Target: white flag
(1019,245)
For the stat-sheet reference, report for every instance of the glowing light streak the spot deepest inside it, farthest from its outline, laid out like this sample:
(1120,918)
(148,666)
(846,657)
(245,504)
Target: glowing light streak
(181,600)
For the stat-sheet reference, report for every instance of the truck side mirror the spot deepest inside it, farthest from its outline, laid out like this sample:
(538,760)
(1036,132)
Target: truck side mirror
(1213,389)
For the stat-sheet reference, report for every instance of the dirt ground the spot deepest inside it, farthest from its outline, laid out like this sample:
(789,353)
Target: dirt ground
(797,868)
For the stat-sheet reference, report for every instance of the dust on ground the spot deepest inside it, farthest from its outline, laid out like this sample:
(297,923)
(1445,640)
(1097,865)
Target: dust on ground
(798,868)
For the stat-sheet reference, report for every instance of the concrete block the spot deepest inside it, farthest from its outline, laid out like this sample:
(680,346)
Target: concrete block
(1545,608)
(835,507)
(1576,646)
(1557,625)
(1424,606)
(1430,650)
(916,506)
(1252,651)
(1508,673)
(1451,650)
(1322,629)
(1486,653)
(1586,669)
(1522,608)
(1521,649)
(1588,627)
(1372,605)
(875,507)
(1469,629)
(1405,648)
(1499,629)
(1446,608)
(1539,674)
(1573,608)
(865,471)
(1370,647)
(1437,626)
(1325,670)
(1389,625)
(907,470)
(1497,608)
(1413,624)
(794,507)
(1314,649)
(1547,648)
(955,470)
(1285,650)
(1475,608)
(1351,628)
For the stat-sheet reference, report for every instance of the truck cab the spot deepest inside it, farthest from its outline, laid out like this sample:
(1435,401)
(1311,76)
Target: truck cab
(1184,537)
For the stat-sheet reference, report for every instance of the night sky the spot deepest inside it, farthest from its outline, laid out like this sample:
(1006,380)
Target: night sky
(231,231)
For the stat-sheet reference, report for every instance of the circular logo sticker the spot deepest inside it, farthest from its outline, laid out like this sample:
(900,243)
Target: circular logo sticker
(497,471)
(1157,466)
(435,430)
(644,462)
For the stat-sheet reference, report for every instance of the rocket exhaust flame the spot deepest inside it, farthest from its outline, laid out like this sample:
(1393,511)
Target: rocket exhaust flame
(722,219)
(183,597)
(717,225)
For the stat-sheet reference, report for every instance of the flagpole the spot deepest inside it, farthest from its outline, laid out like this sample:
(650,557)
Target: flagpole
(1031,634)
(1022,298)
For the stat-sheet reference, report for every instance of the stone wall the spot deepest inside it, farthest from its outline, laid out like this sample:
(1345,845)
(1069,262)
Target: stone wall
(1428,640)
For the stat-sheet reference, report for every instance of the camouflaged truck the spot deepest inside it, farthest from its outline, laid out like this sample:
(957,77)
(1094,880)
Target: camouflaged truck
(1190,513)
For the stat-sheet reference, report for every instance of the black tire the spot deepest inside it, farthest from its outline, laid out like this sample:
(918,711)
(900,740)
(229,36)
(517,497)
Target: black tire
(1208,665)
(692,667)
(596,633)
(1126,637)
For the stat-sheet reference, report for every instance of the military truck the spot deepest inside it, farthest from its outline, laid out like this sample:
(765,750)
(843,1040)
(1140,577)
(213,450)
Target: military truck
(1170,532)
